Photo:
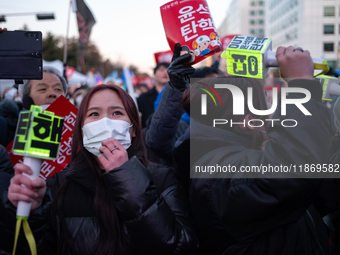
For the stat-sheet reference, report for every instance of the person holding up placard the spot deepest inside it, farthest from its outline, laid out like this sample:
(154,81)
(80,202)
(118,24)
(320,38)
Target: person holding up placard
(146,101)
(110,200)
(243,196)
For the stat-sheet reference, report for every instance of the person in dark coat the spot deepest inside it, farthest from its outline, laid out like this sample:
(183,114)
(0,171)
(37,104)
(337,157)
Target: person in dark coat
(146,100)
(237,212)
(166,123)
(110,200)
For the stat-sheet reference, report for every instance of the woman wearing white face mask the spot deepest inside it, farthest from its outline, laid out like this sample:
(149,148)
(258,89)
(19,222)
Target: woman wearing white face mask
(108,201)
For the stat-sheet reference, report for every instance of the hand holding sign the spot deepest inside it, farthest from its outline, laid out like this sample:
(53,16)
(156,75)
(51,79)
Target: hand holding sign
(179,71)
(37,137)
(251,56)
(24,189)
(295,64)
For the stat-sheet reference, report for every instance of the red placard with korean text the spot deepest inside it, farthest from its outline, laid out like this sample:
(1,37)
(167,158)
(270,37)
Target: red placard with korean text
(164,56)
(189,23)
(63,108)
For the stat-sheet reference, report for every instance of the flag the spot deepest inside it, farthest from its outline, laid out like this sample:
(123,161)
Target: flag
(85,21)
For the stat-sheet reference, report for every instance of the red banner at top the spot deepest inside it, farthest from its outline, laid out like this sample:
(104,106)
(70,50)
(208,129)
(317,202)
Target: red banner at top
(189,23)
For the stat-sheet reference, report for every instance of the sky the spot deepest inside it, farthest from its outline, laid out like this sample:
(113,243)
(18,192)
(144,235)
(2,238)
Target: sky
(129,31)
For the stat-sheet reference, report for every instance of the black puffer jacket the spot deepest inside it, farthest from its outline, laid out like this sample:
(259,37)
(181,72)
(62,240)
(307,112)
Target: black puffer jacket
(166,125)
(155,224)
(152,206)
(268,216)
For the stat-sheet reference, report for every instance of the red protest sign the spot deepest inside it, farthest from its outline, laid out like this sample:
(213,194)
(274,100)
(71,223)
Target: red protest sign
(190,24)
(63,108)
(226,40)
(164,56)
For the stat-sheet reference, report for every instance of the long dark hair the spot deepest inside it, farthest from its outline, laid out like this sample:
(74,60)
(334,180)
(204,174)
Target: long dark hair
(192,104)
(111,237)
(137,147)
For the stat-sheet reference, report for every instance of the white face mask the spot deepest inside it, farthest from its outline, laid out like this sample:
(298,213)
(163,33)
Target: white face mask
(97,131)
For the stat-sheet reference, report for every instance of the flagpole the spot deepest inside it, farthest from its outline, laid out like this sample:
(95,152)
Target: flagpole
(129,84)
(66,40)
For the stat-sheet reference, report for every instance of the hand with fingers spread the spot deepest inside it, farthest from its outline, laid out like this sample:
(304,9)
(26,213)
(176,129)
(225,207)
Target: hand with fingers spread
(294,63)
(115,154)
(179,70)
(24,189)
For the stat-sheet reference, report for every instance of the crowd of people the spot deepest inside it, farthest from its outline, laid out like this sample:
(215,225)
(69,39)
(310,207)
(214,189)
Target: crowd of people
(135,190)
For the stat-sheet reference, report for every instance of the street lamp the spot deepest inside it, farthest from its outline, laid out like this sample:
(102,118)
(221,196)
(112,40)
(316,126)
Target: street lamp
(43,16)
(40,16)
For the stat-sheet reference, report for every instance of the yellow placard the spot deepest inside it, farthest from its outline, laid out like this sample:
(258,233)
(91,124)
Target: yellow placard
(38,134)
(245,56)
(243,63)
(325,80)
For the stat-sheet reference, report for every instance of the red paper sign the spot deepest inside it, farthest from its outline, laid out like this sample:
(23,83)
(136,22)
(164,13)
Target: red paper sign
(164,56)
(189,23)
(226,40)
(63,108)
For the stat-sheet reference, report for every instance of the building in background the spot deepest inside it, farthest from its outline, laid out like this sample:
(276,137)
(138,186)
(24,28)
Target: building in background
(245,17)
(310,24)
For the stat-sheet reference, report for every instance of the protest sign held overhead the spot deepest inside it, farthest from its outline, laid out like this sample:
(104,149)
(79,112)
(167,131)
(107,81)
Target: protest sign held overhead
(190,24)
(250,56)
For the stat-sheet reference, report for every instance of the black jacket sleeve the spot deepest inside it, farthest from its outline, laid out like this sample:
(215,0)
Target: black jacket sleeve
(156,224)
(161,135)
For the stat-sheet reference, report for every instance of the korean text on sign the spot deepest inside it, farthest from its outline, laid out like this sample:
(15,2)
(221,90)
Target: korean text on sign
(187,17)
(245,56)
(38,134)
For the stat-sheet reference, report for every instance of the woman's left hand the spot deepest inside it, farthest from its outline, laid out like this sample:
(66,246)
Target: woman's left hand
(114,152)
